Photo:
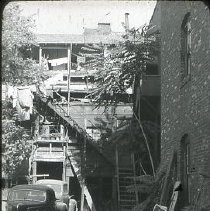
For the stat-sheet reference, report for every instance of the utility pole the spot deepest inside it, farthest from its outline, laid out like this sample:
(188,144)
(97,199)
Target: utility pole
(69,75)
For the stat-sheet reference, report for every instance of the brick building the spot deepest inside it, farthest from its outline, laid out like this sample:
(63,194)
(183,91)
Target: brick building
(185,29)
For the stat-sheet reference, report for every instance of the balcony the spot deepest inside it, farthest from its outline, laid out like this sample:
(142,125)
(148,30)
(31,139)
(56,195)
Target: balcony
(56,137)
(49,153)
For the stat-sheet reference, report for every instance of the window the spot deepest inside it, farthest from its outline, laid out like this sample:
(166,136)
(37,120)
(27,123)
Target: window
(65,78)
(27,195)
(186,46)
(185,168)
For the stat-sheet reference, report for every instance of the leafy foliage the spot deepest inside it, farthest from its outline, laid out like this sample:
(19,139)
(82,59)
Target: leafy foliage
(17,69)
(17,39)
(15,142)
(116,73)
(117,69)
(151,186)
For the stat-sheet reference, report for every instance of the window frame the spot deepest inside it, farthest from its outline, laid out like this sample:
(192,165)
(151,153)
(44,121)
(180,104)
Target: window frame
(186,43)
(186,167)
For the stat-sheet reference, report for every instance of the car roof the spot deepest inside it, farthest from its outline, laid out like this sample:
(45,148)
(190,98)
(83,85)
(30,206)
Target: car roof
(34,187)
(50,181)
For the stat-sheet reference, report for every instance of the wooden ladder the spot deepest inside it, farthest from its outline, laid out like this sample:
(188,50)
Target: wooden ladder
(126,200)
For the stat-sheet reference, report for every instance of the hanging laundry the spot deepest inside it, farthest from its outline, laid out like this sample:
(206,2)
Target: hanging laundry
(23,113)
(88,49)
(45,63)
(10,90)
(14,97)
(59,61)
(24,103)
(25,97)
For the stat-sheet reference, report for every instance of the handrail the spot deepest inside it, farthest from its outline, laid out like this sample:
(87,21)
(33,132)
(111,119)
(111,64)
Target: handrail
(77,171)
(75,124)
(63,114)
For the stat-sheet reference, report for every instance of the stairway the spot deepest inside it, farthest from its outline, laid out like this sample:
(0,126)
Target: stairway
(127,200)
(74,156)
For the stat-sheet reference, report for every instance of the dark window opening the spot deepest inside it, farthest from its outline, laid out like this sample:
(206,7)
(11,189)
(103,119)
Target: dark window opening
(185,169)
(79,79)
(54,129)
(54,169)
(57,147)
(65,78)
(186,46)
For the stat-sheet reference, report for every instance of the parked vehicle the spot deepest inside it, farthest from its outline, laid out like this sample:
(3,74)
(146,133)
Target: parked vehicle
(32,198)
(61,192)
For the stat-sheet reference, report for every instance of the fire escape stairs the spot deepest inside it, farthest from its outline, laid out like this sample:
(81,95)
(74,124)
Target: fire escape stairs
(76,163)
(70,152)
(126,200)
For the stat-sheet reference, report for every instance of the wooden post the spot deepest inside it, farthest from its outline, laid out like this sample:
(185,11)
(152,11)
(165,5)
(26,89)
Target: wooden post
(134,174)
(34,169)
(82,195)
(85,122)
(69,75)
(40,56)
(64,171)
(50,148)
(117,175)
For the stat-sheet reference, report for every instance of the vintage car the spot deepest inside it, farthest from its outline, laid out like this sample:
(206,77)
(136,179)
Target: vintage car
(61,192)
(33,198)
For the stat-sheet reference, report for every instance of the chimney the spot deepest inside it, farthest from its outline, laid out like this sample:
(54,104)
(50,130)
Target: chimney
(104,28)
(126,22)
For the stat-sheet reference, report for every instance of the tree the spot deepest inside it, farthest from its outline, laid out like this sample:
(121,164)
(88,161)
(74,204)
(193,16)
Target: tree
(125,63)
(17,40)
(16,146)
(126,60)
(17,69)
(117,72)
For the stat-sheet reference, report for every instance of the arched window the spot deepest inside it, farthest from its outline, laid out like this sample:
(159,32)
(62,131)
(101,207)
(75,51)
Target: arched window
(185,168)
(186,46)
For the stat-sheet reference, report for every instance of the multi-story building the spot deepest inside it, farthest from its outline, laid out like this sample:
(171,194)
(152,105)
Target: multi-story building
(55,53)
(185,28)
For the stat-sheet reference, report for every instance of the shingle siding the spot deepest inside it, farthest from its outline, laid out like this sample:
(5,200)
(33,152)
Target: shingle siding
(185,105)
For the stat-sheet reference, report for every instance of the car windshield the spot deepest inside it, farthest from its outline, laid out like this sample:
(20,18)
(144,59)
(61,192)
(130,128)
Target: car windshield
(27,195)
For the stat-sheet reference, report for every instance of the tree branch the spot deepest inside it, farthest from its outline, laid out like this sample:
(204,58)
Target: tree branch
(146,143)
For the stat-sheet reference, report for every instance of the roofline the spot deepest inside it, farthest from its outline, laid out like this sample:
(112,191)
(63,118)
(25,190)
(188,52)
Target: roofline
(153,13)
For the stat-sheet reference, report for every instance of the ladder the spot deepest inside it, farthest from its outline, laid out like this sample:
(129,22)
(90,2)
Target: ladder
(126,200)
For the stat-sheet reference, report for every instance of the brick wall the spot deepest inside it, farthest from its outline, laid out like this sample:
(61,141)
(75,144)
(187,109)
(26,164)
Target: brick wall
(185,106)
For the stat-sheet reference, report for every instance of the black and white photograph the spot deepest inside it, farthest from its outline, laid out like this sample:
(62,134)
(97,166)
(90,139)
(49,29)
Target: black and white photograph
(105,105)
